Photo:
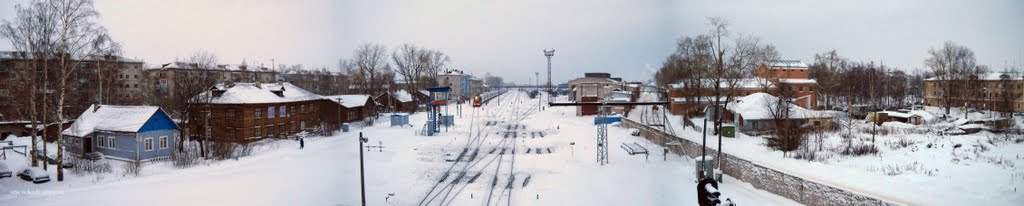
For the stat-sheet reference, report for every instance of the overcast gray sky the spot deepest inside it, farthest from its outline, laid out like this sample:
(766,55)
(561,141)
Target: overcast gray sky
(625,38)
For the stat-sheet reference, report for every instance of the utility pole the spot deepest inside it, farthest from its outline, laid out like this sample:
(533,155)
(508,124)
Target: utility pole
(537,76)
(602,135)
(549,54)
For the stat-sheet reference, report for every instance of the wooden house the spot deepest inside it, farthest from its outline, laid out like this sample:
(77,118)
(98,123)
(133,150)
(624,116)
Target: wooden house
(130,133)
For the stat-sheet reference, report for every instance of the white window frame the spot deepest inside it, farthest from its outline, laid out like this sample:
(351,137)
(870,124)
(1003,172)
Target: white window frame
(110,142)
(148,144)
(163,142)
(101,142)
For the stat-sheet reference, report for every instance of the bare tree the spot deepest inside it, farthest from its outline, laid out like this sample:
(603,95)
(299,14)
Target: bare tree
(30,34)
(371,61)
(787,133)
(950,63)
(1008,93)
(826,69)
(435,62)
(77,31)
(407,64)
(190,82)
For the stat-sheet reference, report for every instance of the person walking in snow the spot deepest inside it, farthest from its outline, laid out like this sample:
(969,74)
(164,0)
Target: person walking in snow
(302,143)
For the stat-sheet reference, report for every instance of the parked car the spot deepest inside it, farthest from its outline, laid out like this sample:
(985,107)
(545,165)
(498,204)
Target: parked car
(4,170)
(35,175)
(52,158)
(68,162)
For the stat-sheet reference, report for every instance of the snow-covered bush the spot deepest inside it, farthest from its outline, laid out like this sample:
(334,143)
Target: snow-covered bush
(84,166)
(132,168)
(186,157)
(858,148)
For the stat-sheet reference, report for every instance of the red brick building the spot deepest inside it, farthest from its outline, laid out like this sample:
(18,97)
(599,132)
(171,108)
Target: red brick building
(792,74)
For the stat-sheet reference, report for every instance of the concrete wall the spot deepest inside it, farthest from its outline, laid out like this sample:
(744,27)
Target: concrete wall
(798,189)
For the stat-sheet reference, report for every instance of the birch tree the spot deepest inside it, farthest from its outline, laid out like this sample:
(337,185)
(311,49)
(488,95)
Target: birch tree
(950,63)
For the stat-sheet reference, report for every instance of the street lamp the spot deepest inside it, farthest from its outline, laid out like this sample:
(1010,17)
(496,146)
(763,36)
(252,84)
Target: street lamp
(362,179)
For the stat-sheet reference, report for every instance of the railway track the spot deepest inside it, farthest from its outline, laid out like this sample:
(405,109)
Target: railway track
(457,177)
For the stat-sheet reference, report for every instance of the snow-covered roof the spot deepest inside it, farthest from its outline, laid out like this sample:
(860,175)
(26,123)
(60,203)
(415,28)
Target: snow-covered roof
(619,96)
(403,96)
(753,107)
(898,114)
(746,83)
(991,76)
(350,100)
(424,92)
(29,55)
(789,64)
(798,81)
(111,118)
(253,93)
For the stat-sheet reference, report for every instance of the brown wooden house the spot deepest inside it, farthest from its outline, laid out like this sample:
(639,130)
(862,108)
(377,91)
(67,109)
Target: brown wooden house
(244,112)
(397,101)
(338,109)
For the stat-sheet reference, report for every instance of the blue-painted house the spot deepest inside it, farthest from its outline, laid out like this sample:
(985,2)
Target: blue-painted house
(126,133)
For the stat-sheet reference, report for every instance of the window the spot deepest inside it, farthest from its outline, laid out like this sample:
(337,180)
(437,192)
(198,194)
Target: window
(352,115)
(259,113)
(283,112)
(257,131)
(291,110)
(302,109)
(149,144)
(101,142)
(270,112)
(302,124)
(281,129)
(295,127)
(270,130)
(230,132)
(111,142)
(230,114)
(163,142)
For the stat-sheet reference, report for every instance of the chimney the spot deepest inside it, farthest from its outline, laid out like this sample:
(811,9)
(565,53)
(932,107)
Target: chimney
(95,108)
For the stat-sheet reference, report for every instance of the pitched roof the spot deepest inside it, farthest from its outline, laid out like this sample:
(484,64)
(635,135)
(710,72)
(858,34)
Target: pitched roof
(991,76)
(753,107)
(111,118)
(788,64)
(252,93)
(350,100)
(745,83)
(403,96)
(798,81)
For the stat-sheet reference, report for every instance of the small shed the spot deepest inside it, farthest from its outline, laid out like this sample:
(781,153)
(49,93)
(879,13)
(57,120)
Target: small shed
(399,119)
(893,116)
(129,133)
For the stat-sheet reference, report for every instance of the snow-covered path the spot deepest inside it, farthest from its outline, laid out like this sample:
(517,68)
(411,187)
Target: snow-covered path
(326,172)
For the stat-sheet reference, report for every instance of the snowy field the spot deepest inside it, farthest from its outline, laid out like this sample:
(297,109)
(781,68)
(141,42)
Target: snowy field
(410,169)
(913,165)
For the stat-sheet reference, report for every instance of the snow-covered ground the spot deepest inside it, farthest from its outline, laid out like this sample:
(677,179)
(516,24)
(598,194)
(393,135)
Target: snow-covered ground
(914,165)
(326,172)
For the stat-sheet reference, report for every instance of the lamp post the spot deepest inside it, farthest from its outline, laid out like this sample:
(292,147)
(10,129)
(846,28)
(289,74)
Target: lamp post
(362,179)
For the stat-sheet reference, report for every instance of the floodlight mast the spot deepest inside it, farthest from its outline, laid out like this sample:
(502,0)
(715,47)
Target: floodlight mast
(549,54)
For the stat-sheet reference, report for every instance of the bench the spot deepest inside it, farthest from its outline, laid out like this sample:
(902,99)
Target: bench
(634,148)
